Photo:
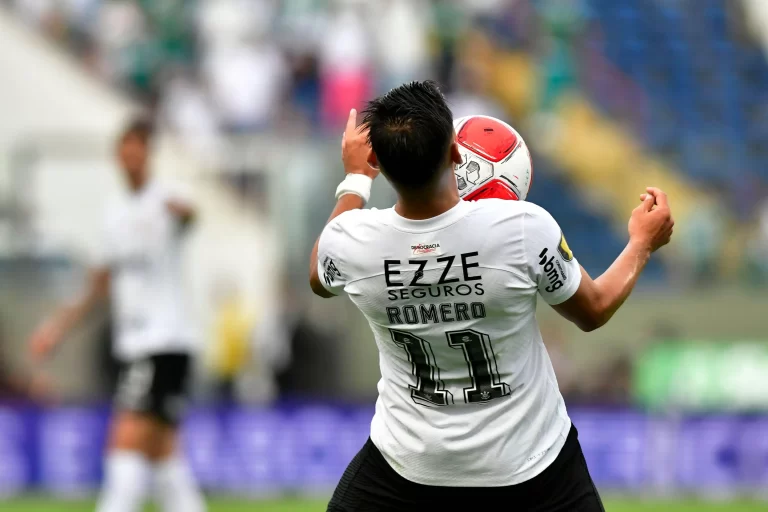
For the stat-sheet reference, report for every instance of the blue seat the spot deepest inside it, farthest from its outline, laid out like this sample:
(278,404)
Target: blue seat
(704,90)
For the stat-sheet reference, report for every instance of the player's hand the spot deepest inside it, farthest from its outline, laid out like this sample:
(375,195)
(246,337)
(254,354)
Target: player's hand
(45,339)
(651,223)
(355,149)
(180,209)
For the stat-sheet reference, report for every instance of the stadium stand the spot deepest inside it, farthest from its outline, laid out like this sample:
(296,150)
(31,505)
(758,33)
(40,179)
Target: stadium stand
(707,96)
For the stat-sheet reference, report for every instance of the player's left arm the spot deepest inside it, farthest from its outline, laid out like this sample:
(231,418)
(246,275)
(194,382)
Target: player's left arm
(356,154)
(596,301)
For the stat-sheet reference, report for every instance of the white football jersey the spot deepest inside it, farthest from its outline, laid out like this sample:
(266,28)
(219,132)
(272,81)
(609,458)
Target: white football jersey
(467,396)
(142,248)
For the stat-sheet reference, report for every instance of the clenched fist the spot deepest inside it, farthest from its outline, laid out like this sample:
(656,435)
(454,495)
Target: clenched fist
(651,223)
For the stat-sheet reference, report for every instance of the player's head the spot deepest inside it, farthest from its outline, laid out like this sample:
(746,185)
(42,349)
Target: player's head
(412,137)
(133,150)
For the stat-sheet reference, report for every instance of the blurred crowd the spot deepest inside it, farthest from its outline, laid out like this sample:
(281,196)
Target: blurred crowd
(210,69)
(244,66)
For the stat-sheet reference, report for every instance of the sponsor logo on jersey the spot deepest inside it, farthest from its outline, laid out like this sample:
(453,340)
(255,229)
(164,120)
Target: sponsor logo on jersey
(553,270)
(331,271)
(563,248)
(426,249)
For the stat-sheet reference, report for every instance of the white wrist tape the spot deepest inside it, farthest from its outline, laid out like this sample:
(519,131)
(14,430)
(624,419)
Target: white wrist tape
(358,184)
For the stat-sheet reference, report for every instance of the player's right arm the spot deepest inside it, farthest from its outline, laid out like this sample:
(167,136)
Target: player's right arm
(325,277)
(67,316)
(596,301)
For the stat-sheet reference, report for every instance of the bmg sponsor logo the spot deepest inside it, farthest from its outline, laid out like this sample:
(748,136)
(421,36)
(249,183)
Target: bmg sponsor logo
(553,270)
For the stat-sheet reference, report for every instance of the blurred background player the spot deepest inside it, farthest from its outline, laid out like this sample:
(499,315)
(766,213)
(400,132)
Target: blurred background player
(139,266)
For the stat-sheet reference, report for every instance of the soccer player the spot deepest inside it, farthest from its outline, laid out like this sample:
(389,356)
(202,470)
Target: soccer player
(469,412)
(140,265)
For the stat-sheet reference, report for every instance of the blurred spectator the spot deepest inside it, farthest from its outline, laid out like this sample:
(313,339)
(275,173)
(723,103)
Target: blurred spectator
(472,74)
(172,27)
(663,330)
(305,93)
(244,69)
(615,382)
(187,111)
(700,240)
(120,30)
(470,96)
(756,265)
(39,13)
(564,21)
(449,26)
(403,58)
(314,370)
(228,22)
(762,216)
(232,332)
(345,66)
(746,195)
(753,15)
(271,353)
(247,80)
(512,23)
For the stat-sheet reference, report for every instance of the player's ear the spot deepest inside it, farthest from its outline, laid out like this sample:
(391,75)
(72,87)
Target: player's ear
(372,160)
(455,153)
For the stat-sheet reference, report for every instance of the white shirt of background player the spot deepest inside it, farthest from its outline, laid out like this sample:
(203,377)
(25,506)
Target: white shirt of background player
(142,247)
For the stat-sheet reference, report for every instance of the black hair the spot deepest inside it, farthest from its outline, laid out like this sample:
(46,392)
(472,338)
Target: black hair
(411,129)
(141,128)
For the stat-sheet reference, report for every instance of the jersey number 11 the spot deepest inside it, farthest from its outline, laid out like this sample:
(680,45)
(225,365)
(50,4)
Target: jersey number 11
(485,383)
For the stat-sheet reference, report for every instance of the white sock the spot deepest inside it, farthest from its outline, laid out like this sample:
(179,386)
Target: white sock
(126,482)
(175,487)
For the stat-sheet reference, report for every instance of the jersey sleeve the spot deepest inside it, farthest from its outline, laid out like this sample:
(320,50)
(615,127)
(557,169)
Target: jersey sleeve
(330,264)
(551,263)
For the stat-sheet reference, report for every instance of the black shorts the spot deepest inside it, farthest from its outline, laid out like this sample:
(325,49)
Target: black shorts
(370,485)
(156,385)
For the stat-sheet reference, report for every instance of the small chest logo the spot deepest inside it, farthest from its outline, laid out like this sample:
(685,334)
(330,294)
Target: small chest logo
(430,249)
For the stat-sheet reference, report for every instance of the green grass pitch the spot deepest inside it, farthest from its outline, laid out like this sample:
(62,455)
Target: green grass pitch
(288,505)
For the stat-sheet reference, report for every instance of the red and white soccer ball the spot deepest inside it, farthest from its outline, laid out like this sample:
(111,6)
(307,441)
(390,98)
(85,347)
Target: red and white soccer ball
(495,163)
